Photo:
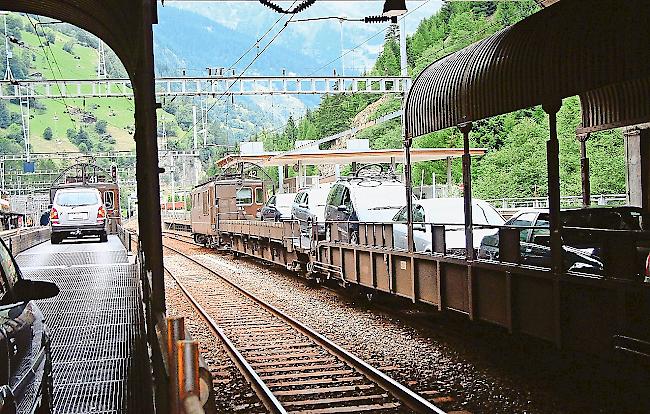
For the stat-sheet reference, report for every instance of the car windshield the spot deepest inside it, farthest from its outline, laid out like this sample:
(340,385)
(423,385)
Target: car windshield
(77,198)
(454,213)
(380,197)
(318,198)
(284,200)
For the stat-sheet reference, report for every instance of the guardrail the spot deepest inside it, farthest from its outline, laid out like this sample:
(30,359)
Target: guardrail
(183,377)
(22,239)
(565,201)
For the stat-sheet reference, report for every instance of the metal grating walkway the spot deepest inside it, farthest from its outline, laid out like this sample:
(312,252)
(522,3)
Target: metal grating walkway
(100,360)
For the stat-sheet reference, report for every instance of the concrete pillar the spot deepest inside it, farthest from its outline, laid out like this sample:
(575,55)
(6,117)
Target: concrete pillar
(637,165)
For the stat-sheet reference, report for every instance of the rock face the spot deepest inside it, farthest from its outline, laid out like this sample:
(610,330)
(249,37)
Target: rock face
(359,120)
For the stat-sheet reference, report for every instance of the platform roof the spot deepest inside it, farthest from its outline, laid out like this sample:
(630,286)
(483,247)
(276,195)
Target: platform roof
(344,156)
(599,52)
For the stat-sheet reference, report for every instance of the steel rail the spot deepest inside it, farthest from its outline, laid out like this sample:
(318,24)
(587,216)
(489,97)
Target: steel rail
(397,390)
(263,392)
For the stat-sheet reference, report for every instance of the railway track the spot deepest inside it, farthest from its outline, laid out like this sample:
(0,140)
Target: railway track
(290,367)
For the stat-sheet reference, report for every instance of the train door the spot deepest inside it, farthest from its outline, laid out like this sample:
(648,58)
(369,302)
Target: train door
(109,198)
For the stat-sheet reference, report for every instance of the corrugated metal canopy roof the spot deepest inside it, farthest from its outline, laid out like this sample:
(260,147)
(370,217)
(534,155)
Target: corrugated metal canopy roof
(598,50)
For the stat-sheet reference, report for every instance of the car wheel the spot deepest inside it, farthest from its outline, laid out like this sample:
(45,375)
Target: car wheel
(103,237)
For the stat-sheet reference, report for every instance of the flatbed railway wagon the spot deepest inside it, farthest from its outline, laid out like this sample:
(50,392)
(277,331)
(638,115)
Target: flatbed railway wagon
(236,194)
(91,175)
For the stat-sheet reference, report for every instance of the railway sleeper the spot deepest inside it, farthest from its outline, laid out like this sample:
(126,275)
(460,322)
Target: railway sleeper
(299,368)
(352,409)
(335,373)
(325,390)
(335,400)
(292,362)
(320,381)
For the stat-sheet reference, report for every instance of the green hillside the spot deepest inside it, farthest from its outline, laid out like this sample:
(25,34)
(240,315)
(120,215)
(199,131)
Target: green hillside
(62,52)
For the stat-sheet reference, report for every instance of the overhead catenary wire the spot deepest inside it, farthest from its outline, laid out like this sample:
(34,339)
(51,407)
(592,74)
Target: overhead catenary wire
(61,98)
(365,41)
(224,93)
(47,59)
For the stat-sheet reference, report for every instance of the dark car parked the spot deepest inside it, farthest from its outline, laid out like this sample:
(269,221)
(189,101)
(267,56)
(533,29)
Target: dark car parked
(584,248)
(309,209)
(25,359)
(362,199)
(278,207)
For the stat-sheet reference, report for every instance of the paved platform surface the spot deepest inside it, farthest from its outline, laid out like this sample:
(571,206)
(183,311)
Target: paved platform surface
(100,362)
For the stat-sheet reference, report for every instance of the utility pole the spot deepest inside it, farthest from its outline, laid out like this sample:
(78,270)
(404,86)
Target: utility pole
(342,55)
(24,114)
(194,129)
(22,98)
(204,120)
(8,55)
(172,170)
(102,73)
(402,48)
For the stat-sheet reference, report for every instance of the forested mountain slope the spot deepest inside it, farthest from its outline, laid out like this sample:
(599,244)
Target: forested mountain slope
(515,163)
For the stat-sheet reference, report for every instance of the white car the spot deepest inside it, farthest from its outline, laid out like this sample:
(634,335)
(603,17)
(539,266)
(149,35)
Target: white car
(451,213)
(78,212)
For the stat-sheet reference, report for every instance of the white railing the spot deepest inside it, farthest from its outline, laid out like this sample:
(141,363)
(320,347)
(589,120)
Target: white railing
(565,201)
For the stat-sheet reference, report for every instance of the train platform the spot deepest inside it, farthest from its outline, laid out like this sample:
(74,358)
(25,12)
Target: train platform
(99,354)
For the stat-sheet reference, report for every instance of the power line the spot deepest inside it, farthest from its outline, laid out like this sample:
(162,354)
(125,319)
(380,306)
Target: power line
(245,69)
(258,40)
(47,59)
(366,41)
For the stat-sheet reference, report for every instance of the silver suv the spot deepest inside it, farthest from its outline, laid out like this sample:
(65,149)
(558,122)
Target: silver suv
(78,212)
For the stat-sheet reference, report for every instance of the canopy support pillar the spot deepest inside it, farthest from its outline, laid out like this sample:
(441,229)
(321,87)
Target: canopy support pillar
(449,178)
(584,170)
(553,168)
(467,191)
(637,165)
(409,194)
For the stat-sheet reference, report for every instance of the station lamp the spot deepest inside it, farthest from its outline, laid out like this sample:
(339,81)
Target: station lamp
(394,8)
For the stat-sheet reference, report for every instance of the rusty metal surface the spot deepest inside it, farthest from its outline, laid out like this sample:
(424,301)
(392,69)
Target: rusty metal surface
(567,49)
(615,106)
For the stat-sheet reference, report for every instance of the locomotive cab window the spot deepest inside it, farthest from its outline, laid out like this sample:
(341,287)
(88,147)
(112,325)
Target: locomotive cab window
(245,196)
(109,199)
(259,195)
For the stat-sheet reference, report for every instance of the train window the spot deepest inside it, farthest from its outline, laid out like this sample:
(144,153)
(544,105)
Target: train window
(245,196)
(259,195)
(204,199)
(109,199)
